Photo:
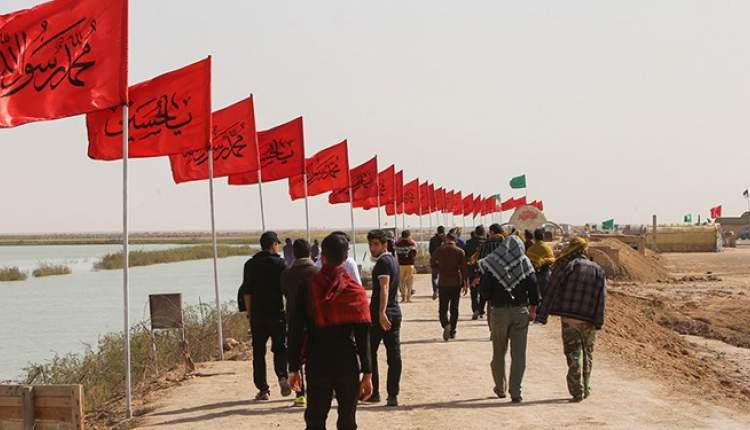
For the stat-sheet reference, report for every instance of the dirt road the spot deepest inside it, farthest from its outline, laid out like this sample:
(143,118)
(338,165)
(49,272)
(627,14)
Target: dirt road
(448,386)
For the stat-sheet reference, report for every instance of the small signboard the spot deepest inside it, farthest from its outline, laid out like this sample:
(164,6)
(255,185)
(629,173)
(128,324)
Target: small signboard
(166,311)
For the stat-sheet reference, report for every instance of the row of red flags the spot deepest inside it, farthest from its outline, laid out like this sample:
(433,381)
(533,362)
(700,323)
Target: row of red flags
(69,57)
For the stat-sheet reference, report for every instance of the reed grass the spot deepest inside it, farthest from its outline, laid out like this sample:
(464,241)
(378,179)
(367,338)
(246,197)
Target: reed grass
(173,255)
(10,274)
(47,269)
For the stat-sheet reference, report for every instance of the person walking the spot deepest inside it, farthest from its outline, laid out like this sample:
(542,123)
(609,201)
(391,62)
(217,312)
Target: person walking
(350,264)
(406,251)
(386,321)
(331,320)
(542,257)
(450,261)
(472,249)
(436,242)
(288,252)
(577,293)
(315,250)
(528,239)
(262,299)
(495,239)
(292,280)
(508,283)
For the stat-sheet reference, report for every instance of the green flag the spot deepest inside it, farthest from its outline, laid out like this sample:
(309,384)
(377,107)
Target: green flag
(608,224)
(688,219)
(518,182)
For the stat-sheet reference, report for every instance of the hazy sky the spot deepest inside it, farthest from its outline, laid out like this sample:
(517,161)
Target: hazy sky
(612,109)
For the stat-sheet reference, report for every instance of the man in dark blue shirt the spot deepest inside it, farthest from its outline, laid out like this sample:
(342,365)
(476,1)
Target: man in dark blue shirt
(386,316)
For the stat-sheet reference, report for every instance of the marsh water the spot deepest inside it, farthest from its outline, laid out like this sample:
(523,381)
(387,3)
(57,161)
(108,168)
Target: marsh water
(61,314)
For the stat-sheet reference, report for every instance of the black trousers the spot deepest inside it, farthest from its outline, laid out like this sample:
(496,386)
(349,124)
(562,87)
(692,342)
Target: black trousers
(477,302)
(392,341)
(262,329)
(320,391)
(449,298)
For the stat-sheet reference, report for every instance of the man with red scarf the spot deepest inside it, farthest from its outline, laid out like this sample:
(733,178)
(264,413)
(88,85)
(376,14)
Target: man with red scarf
(331,317)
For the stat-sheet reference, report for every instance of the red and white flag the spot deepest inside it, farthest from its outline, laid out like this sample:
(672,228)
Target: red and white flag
(234,148)
(62,58)
(282,154)
(170,114)
(325,171)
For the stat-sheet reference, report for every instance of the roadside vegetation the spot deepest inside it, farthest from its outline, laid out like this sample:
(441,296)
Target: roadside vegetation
(174,255)
(47,269)
(9,274)
(100,368)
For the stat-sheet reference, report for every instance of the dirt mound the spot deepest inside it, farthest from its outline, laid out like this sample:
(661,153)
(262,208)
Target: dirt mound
(623,263)
(633,334)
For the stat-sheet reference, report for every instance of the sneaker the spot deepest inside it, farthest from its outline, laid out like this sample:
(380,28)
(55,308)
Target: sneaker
(434,296)
(392,402)
(576,399)
(286,390)
(300,402)
(499,394)
(516,399)
(263,396)
(375,398)
(475,316)
(453,334)
(447,332)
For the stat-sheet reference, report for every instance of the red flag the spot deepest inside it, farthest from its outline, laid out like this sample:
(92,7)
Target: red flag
(234,149)
(325,171)
(387,185)
(478,206)
(520,202)
(458,204)
(424,198)
(507,205)
(282,154)
(364,185)
(169,114)
(716,212)
(63,58)
(468,205)
(440,199)
(399,209)
(433,199)
(449,197)
(411,198)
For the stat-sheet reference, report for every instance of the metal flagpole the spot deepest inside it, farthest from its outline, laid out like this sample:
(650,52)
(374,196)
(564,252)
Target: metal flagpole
(307,206)
(260,185)
(351,214)
(395,210)
(126,261)
(379,224)
(421,229)
(217,294)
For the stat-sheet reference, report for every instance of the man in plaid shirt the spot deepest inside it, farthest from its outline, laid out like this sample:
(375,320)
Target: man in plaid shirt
(577,294)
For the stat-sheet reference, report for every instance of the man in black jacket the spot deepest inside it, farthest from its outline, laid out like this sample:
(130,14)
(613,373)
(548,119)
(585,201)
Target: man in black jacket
(435,243)
(473,246)
(264,304)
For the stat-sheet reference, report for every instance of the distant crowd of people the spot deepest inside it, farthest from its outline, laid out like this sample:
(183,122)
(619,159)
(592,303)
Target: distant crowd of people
(325,331)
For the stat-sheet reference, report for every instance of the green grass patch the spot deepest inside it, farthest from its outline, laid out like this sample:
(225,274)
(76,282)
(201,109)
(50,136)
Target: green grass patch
(9,274)
(174,255)
(47,269)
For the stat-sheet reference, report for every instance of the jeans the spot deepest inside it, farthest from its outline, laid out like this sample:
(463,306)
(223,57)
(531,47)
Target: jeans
(434,280)
(542,280)
(449,298)
(477,302)
(392,341)
(262,329)
(509,324)
(320,392)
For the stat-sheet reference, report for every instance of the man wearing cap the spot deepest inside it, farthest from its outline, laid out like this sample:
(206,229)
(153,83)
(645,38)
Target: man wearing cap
(262,300)
(577,293)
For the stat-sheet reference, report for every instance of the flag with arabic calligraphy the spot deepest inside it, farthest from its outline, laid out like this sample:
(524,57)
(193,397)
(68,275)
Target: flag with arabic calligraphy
(399,206)
(170,114)
(282,154)
(458,204)
(477,206)
(411,198)
(325,171)
(440,199)
(364,185)
(62,58)
(468,205)
(234,149)
(424,198)
(387,184)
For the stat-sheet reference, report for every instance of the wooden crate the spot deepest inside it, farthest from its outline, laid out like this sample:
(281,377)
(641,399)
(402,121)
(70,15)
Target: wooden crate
(41,407)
